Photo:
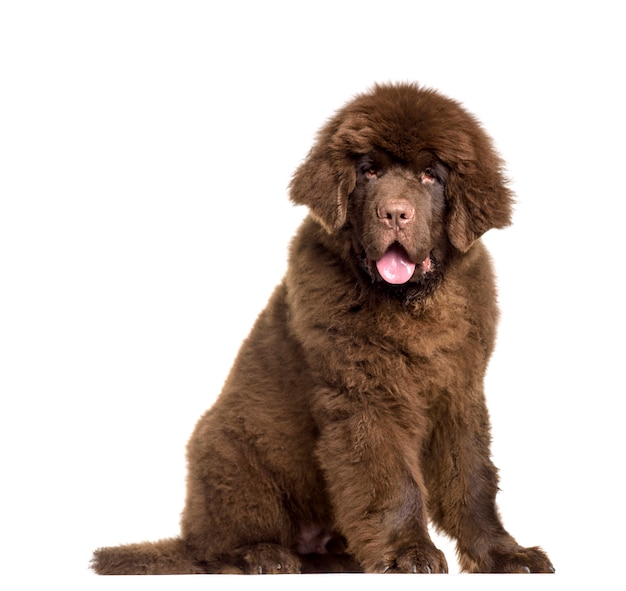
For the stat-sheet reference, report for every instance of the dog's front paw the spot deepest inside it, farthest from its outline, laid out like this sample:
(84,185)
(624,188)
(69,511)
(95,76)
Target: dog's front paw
(522,560)
(424,559)
(513,559)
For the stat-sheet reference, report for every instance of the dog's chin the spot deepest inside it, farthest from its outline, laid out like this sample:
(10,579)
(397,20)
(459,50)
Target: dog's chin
(425,279)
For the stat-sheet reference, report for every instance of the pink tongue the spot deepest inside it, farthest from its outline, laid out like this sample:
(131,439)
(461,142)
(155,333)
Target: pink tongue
(395,266)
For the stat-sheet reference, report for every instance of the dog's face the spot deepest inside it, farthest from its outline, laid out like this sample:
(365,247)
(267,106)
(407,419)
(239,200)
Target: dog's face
(398,211)
(413,179)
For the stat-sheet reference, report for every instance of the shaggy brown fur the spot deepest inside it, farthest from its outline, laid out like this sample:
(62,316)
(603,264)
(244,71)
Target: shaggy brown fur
(354,412)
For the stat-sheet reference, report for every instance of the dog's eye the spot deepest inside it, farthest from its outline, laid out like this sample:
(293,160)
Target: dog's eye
(428,176)
(368,170)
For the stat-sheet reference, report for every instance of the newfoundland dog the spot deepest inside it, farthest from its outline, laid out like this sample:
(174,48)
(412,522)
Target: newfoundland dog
(354,414)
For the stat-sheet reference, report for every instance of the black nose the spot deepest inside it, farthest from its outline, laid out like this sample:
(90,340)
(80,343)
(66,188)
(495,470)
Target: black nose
(396,214)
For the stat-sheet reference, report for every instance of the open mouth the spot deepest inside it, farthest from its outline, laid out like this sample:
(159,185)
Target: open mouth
(396,267)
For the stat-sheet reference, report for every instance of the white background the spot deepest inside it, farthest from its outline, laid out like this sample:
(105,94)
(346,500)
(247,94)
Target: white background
(145,151)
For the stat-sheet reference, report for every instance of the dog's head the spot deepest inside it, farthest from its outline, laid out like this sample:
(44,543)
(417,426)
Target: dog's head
(413,172)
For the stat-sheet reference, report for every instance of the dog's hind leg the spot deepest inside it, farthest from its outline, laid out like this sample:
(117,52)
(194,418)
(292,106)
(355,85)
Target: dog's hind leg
(257,559)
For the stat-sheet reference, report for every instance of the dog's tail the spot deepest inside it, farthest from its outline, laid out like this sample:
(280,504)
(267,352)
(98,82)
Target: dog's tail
(165,557)
(171,556)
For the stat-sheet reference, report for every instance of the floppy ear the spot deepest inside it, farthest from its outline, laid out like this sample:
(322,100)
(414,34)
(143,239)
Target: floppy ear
(478,199)
(322,183)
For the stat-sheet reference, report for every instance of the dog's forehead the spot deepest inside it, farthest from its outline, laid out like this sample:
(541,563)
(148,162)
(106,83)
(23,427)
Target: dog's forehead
(363,132)
(402,145)
(405,124)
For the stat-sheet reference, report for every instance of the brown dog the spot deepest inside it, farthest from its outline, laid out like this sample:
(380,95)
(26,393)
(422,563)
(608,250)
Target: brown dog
(354,412)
